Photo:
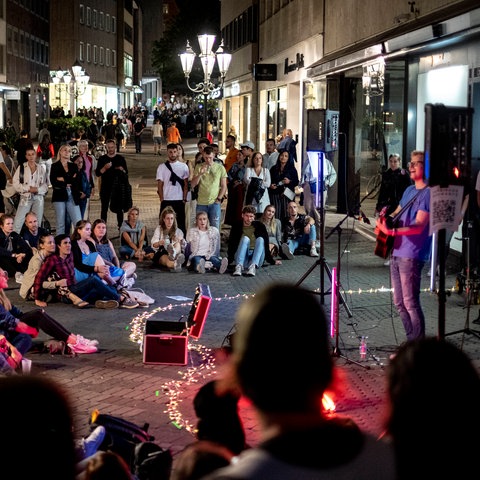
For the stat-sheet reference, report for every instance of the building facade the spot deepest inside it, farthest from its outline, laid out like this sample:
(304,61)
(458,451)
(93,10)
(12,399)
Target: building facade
(24,62)
(375,63)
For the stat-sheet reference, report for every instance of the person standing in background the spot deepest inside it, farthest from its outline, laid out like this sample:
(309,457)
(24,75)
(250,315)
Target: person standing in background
(173,134)
(157,133)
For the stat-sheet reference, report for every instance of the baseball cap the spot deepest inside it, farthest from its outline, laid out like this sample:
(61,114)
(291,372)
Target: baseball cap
(248,144)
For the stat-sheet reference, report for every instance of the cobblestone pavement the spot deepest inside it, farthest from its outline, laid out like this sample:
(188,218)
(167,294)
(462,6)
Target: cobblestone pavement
(116,381)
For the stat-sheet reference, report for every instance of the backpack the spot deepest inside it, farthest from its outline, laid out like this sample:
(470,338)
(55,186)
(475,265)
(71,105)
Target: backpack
(46,154)
(121,436)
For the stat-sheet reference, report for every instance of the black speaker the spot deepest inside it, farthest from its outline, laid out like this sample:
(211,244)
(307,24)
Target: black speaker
(322,130)
(448,144)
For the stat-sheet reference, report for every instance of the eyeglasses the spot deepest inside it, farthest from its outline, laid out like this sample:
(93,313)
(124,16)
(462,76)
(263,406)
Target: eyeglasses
(413,164)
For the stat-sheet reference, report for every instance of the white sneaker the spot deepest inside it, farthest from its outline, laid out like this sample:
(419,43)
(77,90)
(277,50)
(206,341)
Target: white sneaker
(251,270)
(386,263)
(19,277)
(223,265)
(238,271)
(201,266)
(286,251)
(313,251)
(178,263)
(86,341)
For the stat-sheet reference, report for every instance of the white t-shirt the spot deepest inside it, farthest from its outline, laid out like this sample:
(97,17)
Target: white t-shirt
(172,192)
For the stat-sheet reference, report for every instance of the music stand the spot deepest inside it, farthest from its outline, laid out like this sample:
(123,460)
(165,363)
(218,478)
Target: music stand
(316,161)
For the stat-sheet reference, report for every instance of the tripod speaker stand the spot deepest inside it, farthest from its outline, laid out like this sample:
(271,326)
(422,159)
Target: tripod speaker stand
(317,165)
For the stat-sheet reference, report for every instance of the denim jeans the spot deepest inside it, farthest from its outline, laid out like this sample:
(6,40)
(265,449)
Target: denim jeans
(34,203)
(305,239)
(92,289)
(405,274)
(250,255)
(213,211)
(66,207)
(216,261)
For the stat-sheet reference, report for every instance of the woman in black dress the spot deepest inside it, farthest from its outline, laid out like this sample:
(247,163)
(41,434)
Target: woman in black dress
(284,176)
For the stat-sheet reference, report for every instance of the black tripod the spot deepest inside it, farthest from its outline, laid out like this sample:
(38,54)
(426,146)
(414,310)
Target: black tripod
(321,262)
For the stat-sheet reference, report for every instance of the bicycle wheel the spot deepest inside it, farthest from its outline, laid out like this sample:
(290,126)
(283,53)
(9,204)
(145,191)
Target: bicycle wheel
(373,186)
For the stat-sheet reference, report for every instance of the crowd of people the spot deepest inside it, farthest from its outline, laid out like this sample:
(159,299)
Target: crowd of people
(80,266)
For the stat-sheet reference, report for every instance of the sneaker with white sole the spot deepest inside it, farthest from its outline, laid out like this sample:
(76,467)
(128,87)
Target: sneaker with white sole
(223,265)
(201,266)
(128,302)
(177,267)
(286,251)
(251,270)
(313,251)
(238,271)
(86,341)
(19,277)
(81,348)
(106,304)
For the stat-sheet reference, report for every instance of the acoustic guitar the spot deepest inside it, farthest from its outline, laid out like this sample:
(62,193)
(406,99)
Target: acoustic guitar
(384,243)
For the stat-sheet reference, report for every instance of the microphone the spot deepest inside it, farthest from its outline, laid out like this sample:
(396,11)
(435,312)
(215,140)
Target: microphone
(365,219)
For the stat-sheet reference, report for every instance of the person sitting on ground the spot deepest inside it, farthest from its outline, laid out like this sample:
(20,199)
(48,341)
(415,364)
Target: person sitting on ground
(87,260)
(423,379)
(298,231)
(34,320)
(133,238)
(106,465)
(46,247)
(299,441)
(274,229)
(248,244)
(92,289)
(204,243)
(31,231)
(15,253)
(168,241)
(107,251)
(199,459)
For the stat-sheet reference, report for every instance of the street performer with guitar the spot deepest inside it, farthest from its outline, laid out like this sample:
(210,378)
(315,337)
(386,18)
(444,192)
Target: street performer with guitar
(408,225)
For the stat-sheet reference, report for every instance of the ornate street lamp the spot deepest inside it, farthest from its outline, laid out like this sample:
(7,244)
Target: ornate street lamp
(75,83)
(207,58)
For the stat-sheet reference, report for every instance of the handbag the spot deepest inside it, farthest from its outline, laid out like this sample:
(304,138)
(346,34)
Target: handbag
(255,190)
(141,297)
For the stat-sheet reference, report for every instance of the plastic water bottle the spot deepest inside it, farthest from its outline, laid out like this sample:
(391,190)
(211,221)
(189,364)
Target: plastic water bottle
(363,348)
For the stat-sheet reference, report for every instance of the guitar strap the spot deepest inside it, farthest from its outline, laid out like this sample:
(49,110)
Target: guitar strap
(396,218)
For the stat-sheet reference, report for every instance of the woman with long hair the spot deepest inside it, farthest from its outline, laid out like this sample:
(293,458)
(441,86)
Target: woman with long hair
(284,176)
(204,242)
(274,229)
(66,192)
(257,179)
(125,270)
(168,241)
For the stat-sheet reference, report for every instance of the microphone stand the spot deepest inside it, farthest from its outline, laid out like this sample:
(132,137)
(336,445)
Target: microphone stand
(336,349)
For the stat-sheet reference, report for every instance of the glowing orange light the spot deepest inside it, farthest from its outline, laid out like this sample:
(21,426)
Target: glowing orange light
(456,172)
(328,404)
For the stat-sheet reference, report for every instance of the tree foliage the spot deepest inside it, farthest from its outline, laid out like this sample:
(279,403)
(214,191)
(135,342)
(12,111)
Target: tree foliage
(194,18)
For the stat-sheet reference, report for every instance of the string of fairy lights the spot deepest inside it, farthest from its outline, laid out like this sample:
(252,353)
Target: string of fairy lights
(174,389)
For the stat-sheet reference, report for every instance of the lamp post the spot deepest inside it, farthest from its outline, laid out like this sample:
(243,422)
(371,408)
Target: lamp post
(75,82)
(207,58)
